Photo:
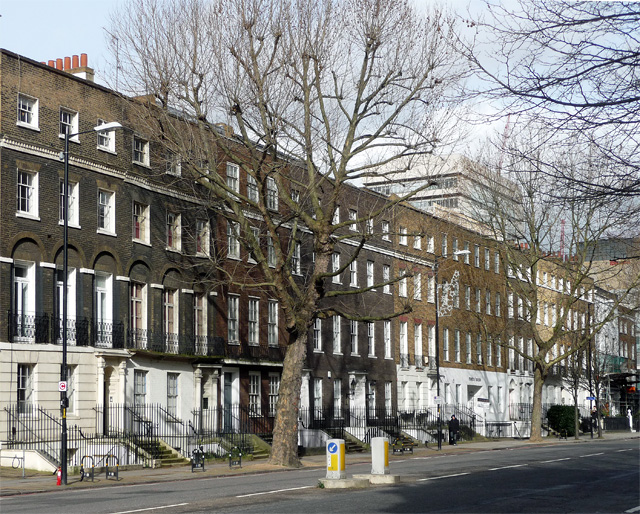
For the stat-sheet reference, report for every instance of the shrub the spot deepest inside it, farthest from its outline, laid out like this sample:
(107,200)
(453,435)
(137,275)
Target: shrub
(562,417)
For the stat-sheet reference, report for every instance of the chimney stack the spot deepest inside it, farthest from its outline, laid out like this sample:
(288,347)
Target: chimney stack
(75,65)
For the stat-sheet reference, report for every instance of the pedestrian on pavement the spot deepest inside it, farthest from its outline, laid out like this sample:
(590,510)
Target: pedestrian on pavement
(454,428)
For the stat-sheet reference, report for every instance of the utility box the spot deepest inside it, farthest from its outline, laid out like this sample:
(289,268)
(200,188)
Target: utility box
(336,459)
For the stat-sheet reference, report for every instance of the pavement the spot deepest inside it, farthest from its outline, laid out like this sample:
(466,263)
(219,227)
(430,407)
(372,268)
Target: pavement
(12,482)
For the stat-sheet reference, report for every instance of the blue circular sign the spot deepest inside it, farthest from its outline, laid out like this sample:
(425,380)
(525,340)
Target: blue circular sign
(332,447)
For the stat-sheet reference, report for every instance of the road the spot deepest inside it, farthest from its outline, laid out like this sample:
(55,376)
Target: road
(600,476)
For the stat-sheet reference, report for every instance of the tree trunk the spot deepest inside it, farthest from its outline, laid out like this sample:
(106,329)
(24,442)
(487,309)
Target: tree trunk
(536,413)
(284,451)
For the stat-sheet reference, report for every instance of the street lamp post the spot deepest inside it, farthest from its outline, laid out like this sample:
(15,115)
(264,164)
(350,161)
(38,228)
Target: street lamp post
(64,400)
(437,341)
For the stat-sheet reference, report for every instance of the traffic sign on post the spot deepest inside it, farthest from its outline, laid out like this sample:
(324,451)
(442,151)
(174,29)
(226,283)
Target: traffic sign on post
(62,386)
(591,398)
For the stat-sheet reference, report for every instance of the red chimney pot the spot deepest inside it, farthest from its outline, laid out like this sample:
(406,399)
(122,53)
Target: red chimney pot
(83,60)
(59,64)
(75,61)
(52,63)
(67,63)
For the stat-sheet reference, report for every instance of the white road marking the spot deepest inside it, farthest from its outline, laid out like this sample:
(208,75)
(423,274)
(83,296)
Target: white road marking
(508,467)
(554,460)
(273,492)
(635,509)
(444,476)
(151,508)
(625,450)
(592,454)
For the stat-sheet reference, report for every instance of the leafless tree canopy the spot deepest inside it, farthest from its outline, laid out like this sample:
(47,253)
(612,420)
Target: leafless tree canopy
(573,66)
(318,93)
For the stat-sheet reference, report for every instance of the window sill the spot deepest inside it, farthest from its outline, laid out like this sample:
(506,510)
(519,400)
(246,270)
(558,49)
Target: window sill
(74,139)
(106,150)
(234,257)
(70,224)
(143,164)
(106,232)
(173,250)
(317,351)
(372,356)
(28,126)
(27,216)
(203,255)
(141,242)
(338,353)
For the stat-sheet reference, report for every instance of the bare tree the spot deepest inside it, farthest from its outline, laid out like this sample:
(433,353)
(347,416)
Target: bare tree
(547,248)
(574,67)
(312,96)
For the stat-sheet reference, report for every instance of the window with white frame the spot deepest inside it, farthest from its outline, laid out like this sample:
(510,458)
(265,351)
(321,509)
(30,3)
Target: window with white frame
(139,387)
(103,309)
(489,352)
(254,322)
(138,309)
(252,189)
(203,237)
(498,306)
(233,313)
(498,353)
(431,340)
(467,252)
(140,151)
(353,273)
(317,397)
(296,258)
(369,273)
(386,276)
(386,336)
(510,305)
(255,231)
(353,216)
(106,211)
(417,286)
(337,397)
(404,344)
(388,400)
(456,296)
(200,318)
(254,393)
(317,335)
(106,139)
(272,323)
(496,262)
(385,230)
(274,387)
(487,259)
(430,244)
(454,249)
(371,340)
(476,256)
(233,177)
(402,237)
(478,300)
(417,344)
(271,252)
(336,216)
(25,388)
(173,231)
(337,343)
(170,317)
(417,242)
(371,398)
(468,346)
(369,226)
(27,111)
(68,123)
(479,348)
(27,193)
(444,245)
(445,344)
(172,393)
(456,345)
(402,287)
(174,164)
(353,337)
(71,303)
(487,298)
(72,197)
(272,194)
(140,228)
(233,243)
(431,288)
(335,266)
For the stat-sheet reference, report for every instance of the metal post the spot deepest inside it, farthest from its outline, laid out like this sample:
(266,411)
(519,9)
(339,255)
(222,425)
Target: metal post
(439,435)
(65,257)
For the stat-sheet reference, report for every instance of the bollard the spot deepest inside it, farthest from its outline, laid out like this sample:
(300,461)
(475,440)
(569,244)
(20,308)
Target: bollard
(379,456)
(336,459)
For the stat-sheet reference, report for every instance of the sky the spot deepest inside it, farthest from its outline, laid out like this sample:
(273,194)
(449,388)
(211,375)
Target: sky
(50,29)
